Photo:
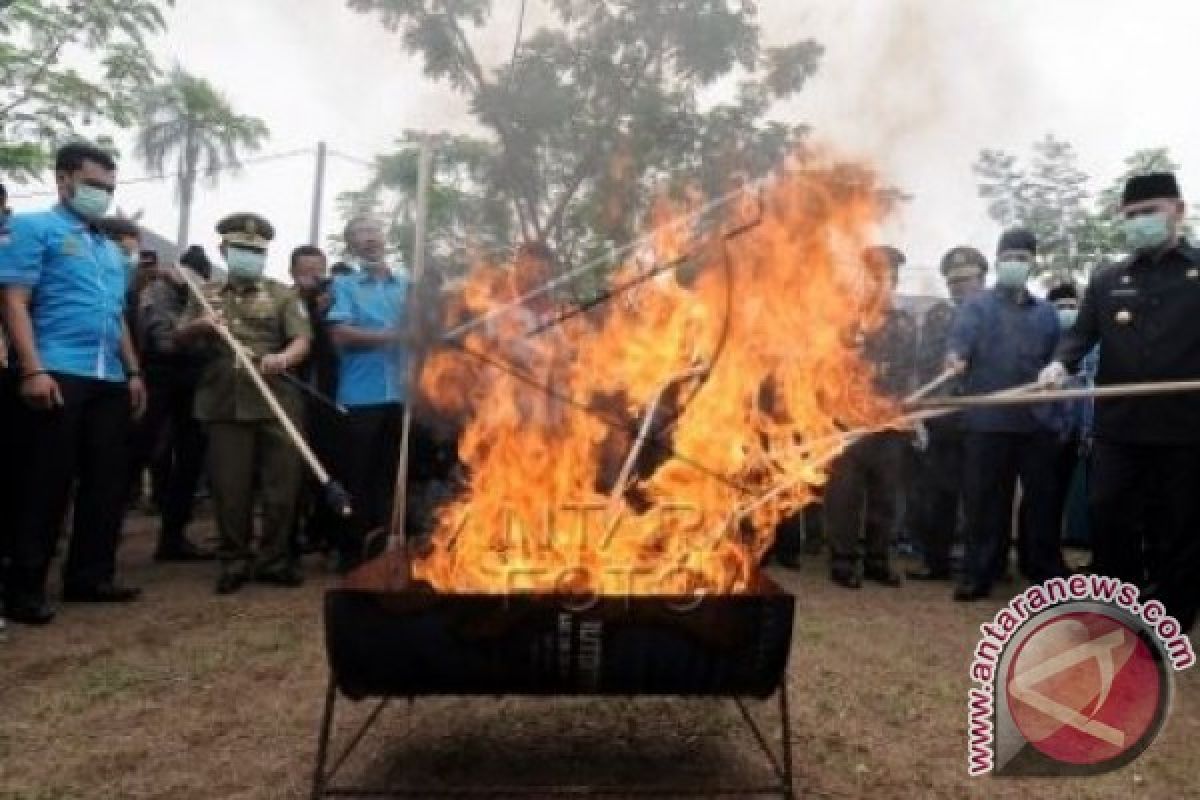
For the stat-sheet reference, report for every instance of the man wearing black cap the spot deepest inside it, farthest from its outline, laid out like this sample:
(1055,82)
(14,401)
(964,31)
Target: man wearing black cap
(1001,339)
(937,490)
(862,496)
(1145,315)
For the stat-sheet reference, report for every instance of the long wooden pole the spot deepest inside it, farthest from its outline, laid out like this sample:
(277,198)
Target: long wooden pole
(1055,395)
(397,532)
(251,369)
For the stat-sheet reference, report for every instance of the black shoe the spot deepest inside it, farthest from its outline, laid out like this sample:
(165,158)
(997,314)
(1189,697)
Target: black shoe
(283,577)
(846,578)
(232,580)
(969,593)
(103,593)
(183,552)
(30,612)
(927,574)
(884,574)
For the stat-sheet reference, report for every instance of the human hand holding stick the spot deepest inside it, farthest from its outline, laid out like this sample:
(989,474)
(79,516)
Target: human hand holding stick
(335,495)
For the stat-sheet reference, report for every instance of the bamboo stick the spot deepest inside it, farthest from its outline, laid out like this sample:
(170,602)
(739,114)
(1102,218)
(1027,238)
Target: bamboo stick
(251,369)
(1054,395)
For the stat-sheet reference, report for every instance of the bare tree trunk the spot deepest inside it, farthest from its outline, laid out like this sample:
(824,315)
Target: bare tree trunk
(187,189)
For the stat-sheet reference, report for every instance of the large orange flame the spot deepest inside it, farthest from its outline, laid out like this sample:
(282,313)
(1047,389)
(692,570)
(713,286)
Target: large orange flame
(730,379)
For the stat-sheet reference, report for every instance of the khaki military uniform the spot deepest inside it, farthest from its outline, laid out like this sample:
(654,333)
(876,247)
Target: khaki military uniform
(248,448)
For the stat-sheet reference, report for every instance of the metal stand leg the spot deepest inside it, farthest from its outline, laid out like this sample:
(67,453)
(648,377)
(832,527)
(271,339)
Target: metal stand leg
(785,734)
(319,776)
(781,763)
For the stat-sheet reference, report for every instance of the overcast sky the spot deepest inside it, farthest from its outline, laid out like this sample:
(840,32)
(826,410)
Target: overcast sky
(915,87)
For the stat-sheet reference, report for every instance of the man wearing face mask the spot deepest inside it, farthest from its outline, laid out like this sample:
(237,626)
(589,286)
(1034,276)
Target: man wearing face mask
(937,494)
(64,285)
(1143,313)
(1001,339)
(247,445)
(368,324)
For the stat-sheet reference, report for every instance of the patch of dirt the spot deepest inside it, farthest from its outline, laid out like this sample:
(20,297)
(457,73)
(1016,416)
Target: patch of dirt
(189,695)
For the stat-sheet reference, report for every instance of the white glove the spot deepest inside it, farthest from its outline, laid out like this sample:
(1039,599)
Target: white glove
(1053,376)
(920,437)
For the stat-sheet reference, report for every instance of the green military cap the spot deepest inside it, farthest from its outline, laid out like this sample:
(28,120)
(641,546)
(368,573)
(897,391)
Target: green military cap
(250,230)
(964,262)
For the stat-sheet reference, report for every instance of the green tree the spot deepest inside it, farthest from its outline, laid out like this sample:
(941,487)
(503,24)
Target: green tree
(185,120)
(66,64)
(1051,198)
(463,214)
(604,107)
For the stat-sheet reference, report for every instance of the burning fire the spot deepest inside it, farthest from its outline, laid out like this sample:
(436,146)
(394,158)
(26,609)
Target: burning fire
(684,419)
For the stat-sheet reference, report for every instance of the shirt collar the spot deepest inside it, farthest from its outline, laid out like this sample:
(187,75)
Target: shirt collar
(73,219)
(367,276)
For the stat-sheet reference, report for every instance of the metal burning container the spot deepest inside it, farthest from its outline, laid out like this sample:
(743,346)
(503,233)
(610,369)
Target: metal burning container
(409,643)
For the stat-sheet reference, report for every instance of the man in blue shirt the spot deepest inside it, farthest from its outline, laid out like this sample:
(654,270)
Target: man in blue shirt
(1001,338)
(368,323)
(63,283)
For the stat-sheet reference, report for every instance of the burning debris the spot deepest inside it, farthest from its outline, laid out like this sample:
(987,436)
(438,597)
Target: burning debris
(651,445)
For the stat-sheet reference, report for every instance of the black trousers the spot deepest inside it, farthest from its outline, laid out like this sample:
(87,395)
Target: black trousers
(1063,462)
(861,500)
(994,462)
(12,470)
(316,523)
(368,454)
(169,435)
(1146,499)
(937,497)
(84,442)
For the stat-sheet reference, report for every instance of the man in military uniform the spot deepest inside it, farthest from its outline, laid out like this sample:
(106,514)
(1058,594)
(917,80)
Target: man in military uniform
(248,447)
(937,494)
(1143,313)
(862,496)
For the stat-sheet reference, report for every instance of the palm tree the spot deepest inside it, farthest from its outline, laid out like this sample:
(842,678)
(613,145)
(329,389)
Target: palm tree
(188,119)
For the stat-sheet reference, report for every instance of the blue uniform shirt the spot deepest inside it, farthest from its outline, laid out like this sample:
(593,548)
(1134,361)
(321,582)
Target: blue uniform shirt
(375,375)
(1006,340)
(77,280)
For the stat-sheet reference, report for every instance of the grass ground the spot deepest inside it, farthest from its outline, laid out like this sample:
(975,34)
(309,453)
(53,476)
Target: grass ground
(189,695)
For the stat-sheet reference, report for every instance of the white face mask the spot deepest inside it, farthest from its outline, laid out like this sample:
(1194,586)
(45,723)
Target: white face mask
(1067,317)
(244,263)
(1012,274)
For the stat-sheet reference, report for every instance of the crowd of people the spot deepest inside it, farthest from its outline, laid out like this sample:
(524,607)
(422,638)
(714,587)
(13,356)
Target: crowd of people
(115,366)
(997,476)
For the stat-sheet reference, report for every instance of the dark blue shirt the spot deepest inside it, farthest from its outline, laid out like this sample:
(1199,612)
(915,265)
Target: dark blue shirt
(371,376)
(1006,338)
(77,281)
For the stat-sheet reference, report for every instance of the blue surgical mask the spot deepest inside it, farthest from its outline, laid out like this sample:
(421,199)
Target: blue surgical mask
(1012,274)
(90,202)
(1067,317)
(245,264)
(1147,231)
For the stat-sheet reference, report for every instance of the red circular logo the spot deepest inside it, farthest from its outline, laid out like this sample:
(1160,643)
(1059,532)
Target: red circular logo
(1084,688)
